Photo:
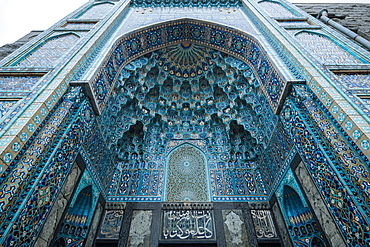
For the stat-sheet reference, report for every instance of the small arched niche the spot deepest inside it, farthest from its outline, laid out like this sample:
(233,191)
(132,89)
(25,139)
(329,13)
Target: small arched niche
(187,175)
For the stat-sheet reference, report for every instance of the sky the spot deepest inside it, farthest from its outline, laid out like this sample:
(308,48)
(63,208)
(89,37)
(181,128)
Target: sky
(19,17)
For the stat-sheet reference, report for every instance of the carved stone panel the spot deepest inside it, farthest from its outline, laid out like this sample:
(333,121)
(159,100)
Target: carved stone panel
(139,235)
(263,224)
(234,226)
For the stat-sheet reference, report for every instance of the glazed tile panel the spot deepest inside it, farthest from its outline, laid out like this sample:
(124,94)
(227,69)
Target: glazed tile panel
(308,69)
(355,81)
(186,3)
(243,47)
(325,49)
(38,178)
(5,106)
(186,175)
(300,24)
(49,52)
(333,165)
(78,25)
(141,17)
(17,83)
(97,11)
(276,9)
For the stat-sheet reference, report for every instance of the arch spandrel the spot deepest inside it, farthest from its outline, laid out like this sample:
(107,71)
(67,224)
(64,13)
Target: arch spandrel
(230,41)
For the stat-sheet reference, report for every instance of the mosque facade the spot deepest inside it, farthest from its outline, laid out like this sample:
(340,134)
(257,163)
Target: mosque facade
(186,123)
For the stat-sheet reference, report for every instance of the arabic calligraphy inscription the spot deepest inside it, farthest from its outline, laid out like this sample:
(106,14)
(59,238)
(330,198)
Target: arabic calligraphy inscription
(111,225)
(263,224)
(188,224)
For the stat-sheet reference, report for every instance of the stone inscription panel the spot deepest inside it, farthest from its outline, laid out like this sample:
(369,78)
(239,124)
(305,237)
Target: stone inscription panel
(188,224)
(111,224)
(263,223)
(234,226)
(139,235)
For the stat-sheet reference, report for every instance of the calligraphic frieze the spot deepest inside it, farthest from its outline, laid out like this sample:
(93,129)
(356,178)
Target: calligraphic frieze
(111,224)
(188,223)
(263,224)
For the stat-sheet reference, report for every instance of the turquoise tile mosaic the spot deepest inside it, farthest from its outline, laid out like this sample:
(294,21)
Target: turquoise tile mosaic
(186,3)
(276,9)
(326,50)
(131,46)
(355,81)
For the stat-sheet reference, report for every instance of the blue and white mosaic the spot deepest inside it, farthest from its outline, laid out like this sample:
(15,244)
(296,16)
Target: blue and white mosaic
(49,52)
(325,49)
(96,11)
(18,83)
(276,9)
(79,25)
(6,106)
(355,81)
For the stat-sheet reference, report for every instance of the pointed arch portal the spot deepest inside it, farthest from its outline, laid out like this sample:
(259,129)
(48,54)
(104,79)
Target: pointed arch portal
(236,43)
(187,93)
(185,130)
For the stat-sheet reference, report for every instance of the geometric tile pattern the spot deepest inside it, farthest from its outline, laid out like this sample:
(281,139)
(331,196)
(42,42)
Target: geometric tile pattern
(244,152)
(326,50)
(185,3)
(17,83)
(348,163)
(186,176)
(276,9)
(366,101)
(351,81)
(300,24)
(41,177)
(333,165)
(6,105)
(175,100)
(272,162)
(49,52)
(95,152)
(97,11)
(78,25)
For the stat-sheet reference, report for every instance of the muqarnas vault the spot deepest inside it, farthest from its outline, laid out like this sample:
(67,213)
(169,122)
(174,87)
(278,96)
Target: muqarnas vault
(185,123)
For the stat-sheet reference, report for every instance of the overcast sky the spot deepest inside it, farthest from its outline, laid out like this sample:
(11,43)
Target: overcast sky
(19,17)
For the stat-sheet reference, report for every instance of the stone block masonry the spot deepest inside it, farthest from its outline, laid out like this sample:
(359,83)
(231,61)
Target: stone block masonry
(357,16)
